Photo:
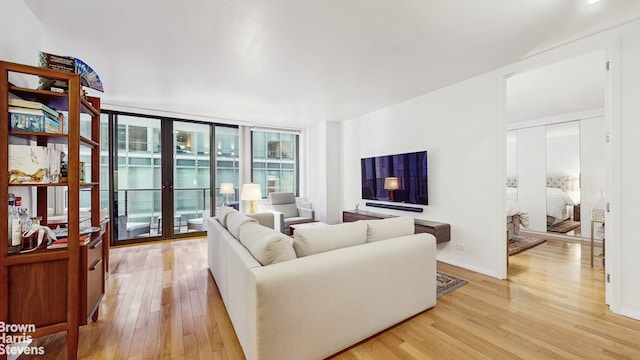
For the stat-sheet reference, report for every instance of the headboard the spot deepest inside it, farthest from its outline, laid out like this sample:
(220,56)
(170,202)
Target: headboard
(560,182)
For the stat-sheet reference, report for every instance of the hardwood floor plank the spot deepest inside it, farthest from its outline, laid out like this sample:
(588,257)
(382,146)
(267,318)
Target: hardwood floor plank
(162,303)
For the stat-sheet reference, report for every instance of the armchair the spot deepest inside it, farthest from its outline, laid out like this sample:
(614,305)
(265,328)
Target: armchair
(283,204)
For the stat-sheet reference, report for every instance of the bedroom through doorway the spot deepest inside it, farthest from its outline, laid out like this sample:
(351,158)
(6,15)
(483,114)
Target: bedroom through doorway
(555,157)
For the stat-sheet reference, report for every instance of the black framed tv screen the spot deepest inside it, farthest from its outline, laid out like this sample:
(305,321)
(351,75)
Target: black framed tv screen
(399,178)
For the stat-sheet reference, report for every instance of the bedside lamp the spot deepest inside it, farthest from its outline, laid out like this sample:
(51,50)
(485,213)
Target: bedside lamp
(226,189)
(251,192)
(391,184)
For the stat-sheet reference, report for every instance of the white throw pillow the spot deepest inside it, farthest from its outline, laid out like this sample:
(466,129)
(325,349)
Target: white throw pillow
(268,246)
(223,212)
(383,229)
(235,220)
(315,240)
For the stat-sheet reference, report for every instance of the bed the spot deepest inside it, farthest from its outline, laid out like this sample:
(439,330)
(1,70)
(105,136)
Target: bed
(558,199)
(516,217)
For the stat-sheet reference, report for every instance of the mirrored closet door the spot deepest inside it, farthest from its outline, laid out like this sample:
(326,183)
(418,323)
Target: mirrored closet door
(556,173)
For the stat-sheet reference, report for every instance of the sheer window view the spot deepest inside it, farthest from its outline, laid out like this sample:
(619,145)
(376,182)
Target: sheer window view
(227,166)
(275,161)
(138,177)
(192,176)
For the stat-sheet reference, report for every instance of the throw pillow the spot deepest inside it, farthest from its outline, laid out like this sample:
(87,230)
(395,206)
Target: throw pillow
(389,228)
(266,245)
(222,214)
(235,220)
(320,239)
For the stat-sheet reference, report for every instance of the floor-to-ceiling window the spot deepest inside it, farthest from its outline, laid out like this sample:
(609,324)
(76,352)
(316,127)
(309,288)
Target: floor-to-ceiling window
(275,161)
(157,178)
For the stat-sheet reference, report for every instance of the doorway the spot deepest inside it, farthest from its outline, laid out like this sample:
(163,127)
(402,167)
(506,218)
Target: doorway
(556,147)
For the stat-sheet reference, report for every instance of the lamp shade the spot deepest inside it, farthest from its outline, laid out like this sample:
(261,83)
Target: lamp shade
(251,192)
(391,183)
(227,188)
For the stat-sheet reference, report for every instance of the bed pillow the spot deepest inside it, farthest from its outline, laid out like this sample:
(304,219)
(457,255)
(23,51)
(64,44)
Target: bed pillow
(383,229)
(266,245)
(315,240)
(222,214)
(235,220)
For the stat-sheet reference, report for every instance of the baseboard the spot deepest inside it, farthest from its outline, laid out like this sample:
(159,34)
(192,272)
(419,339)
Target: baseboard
(394,207)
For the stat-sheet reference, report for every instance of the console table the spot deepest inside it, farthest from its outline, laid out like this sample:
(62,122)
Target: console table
(441,231)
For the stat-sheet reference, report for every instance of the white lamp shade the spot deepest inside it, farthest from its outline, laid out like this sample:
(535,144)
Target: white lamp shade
(227,188)
(251,192)
(391,183)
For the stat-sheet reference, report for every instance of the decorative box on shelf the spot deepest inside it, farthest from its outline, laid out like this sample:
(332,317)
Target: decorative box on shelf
(26,122)
(33,164)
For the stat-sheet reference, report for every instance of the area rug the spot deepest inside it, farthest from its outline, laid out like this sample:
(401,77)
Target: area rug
(520,243)
(447,283)
(564,226)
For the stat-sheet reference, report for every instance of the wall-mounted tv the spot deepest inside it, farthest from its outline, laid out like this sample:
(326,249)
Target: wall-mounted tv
(400,178)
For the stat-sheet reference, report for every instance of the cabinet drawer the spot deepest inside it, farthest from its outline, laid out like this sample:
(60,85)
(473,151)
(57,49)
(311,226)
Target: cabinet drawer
(95,284)
(94,251)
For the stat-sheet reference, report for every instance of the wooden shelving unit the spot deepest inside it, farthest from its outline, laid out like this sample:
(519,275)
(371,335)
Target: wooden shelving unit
(55,290)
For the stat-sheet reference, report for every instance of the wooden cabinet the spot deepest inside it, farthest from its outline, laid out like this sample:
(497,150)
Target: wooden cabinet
(441,231)
(53,289)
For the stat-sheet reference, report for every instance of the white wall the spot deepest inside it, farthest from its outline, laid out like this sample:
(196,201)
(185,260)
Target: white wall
(626,255)
(324,171)
(463,158)
(316,154)
(20,33)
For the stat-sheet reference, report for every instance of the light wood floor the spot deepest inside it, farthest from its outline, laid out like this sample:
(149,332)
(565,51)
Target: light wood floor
(162,303)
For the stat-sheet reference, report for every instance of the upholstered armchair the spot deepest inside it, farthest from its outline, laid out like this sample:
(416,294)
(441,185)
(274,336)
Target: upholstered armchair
(287,211)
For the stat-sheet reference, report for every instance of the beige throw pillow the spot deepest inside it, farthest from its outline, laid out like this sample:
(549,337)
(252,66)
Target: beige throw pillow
(389,228)
(315,240)
(266,245)
(235,220)
(223,212)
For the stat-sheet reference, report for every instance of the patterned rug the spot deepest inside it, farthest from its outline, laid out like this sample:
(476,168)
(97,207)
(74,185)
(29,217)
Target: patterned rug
(564,226)
(520,243)
(447,283)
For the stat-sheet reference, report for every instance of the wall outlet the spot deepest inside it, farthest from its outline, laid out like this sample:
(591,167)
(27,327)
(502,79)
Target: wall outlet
(460,247)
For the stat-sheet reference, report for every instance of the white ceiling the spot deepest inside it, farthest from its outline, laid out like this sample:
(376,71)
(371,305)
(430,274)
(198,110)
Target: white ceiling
(295,62)
(571,86)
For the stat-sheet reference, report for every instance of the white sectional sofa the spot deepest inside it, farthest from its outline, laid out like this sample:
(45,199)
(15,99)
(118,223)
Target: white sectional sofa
(322,291)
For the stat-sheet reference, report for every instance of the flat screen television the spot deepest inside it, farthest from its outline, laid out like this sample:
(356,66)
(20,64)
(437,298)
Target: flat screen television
(400,178)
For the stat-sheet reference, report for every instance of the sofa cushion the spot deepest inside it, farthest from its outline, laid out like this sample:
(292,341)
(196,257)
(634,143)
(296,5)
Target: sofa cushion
(320,239)
(235,220)
(268,246)
(223,212)
(383,229)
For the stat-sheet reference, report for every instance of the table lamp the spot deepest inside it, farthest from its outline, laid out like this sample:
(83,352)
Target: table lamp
(391,184)
(251,193)
(226,189)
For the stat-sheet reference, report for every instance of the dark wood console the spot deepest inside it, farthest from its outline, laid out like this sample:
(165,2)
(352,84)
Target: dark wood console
(441,231)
